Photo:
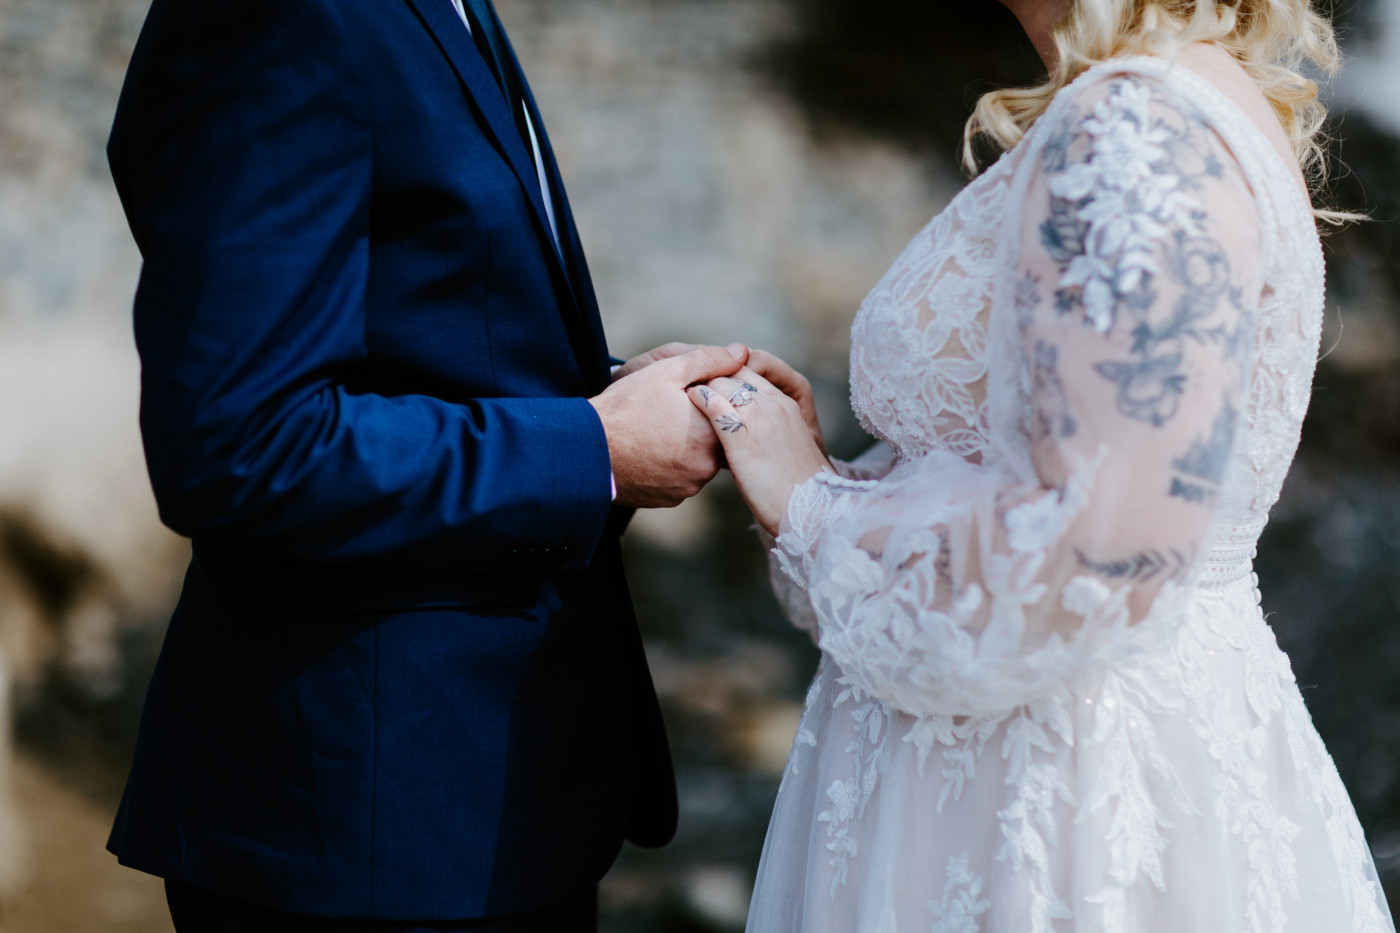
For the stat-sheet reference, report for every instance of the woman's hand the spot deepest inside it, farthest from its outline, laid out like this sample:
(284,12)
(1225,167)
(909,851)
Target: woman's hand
(767,441)
(792,384)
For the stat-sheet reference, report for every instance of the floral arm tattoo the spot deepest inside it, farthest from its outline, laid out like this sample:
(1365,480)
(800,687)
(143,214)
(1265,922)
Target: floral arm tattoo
(964,587)
(1133,235)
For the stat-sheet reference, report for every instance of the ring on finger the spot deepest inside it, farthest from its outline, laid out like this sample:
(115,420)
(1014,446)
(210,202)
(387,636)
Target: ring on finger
(741,398)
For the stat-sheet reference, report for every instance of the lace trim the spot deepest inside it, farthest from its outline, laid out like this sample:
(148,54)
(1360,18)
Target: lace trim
(834,481)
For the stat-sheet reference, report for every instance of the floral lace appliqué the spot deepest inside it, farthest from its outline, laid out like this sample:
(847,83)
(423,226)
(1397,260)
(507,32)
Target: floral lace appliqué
(962,902)
(849,797)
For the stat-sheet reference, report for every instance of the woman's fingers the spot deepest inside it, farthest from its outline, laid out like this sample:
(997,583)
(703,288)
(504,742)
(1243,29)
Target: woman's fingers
(746,380)
(780,375)
(724,416)
(755,382)
(765,438)
(771,374)
(737,390)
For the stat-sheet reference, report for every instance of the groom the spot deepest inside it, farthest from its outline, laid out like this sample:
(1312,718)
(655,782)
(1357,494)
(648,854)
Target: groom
(403,686)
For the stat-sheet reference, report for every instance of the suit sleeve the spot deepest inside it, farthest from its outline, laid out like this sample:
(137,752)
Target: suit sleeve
(243,154)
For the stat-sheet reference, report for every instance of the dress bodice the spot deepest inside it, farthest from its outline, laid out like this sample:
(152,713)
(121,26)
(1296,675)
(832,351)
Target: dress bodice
(921,343)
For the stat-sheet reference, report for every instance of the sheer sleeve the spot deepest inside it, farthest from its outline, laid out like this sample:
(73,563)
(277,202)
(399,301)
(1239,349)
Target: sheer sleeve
(953,587)
(875,463)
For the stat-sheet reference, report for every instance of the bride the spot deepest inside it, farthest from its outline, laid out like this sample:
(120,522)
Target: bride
(1048,700)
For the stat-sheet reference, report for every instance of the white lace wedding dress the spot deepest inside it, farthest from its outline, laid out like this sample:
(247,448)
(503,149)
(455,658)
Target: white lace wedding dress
(1048,700)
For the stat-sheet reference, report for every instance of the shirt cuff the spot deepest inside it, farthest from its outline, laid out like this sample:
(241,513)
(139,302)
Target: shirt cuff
(613,477)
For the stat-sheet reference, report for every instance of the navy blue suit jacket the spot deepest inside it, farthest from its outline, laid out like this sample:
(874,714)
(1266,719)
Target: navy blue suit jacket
(403,680)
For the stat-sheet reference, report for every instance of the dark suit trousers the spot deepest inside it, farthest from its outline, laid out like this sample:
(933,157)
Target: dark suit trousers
(197,911)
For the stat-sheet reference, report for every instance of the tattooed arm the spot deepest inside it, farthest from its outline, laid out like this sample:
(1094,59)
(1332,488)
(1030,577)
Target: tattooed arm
(965,588)
(1140,336)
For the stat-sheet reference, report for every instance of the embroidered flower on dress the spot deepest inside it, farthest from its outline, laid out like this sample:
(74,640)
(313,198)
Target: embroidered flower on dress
(962,903)
(1036,524)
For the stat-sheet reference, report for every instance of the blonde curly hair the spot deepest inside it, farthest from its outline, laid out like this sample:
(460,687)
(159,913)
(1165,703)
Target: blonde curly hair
(1277,42)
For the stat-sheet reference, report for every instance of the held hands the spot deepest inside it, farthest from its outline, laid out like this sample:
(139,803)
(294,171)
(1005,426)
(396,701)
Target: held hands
(662,449)
(769,442)
(783,377)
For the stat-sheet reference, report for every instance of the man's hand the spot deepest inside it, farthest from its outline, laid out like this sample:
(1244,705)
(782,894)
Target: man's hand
(663,450)
(783,377)
(663,352)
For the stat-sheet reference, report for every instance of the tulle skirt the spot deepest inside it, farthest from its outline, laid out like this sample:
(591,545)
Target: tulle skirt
(1187,791)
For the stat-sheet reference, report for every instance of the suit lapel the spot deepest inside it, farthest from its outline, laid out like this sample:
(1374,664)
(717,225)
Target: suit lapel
(571,247)
(566,260)
(456,43)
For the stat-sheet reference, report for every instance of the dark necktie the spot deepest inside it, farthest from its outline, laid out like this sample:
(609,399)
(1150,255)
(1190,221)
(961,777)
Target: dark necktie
(491,42)
(492,45)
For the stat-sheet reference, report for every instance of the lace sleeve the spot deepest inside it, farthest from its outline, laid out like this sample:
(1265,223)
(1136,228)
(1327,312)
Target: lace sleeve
(874,464)
(951,587)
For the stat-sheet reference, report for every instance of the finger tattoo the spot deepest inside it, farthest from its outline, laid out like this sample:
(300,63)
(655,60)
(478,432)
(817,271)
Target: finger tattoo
(749,388)
(729,424)
(706,393)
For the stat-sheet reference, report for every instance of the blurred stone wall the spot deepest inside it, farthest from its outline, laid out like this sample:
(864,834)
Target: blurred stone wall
(80,548)
(83,560)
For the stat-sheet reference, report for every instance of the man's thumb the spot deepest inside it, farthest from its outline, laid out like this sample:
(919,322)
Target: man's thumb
(705,363)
